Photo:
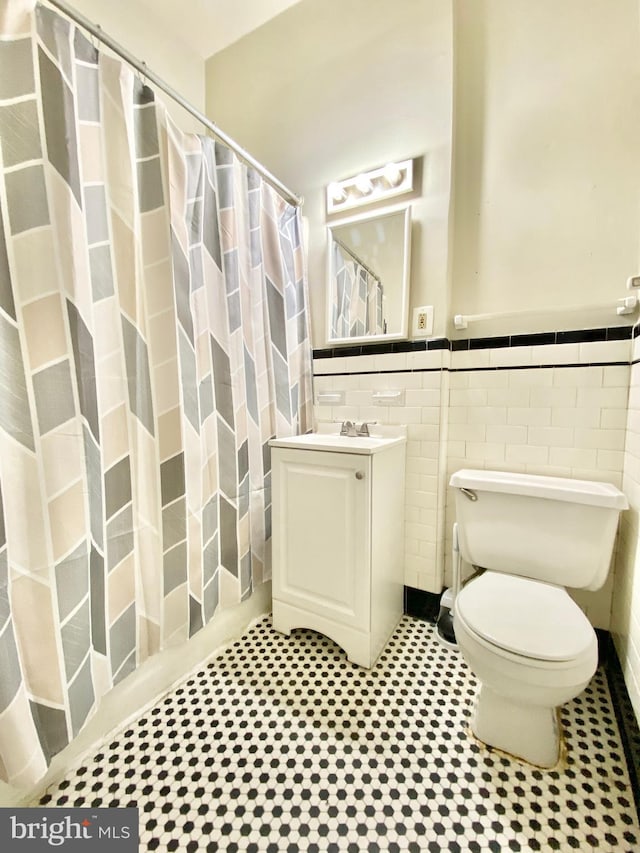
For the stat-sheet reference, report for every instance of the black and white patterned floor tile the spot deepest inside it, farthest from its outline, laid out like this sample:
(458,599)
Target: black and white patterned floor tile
(281,744)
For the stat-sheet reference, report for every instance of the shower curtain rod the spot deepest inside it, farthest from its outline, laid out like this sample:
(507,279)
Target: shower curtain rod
(97,31)
(357,259)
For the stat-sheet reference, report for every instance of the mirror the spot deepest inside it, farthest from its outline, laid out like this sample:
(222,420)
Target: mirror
(368,281)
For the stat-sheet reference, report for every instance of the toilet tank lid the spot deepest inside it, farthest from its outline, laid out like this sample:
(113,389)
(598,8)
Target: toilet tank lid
(535,485)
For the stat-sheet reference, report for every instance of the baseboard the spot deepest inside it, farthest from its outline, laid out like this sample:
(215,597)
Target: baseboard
(424,605)
(625,715)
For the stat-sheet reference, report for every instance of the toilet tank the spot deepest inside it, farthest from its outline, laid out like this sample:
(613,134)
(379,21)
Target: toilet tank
(553,529)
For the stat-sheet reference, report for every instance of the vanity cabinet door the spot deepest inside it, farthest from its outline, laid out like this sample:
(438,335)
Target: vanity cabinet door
(321,535)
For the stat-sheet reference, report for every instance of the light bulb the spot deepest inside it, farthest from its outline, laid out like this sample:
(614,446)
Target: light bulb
(337,192)
(392,174)
(363,184)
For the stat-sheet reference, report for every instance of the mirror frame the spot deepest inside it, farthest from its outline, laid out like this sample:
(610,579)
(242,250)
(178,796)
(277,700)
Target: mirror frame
(404,282)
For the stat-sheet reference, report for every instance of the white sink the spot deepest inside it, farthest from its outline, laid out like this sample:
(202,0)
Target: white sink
(336,443)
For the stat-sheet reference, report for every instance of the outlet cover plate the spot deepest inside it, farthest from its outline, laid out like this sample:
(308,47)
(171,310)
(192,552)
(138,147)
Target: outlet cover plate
(422,326)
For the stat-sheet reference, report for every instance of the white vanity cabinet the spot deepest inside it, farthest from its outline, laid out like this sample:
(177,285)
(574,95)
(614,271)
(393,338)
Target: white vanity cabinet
(338,539)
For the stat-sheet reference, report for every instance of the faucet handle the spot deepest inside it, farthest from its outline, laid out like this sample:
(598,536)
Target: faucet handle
(347,428)
(363,429)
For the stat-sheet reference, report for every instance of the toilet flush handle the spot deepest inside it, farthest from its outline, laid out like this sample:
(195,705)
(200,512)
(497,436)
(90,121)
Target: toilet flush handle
(470,494)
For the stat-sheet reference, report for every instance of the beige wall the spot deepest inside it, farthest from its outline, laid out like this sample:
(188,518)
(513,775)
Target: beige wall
(546,158)
(547,114)
(137,29)
(332,87)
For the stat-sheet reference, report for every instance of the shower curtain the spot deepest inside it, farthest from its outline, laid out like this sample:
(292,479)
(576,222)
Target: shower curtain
(357,304)
(153,338)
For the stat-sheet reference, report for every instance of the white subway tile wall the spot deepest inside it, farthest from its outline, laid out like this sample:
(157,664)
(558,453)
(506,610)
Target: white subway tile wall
(425,401)
(625,614)
(563,421)
(537,409)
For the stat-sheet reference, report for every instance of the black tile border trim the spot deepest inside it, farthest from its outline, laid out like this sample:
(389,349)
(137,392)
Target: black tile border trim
(475,369)
(426,605)
(574,336)
(623,709)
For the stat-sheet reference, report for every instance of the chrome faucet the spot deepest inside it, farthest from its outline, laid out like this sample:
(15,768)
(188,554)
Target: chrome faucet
(348,428)
(363,429)
(353,430)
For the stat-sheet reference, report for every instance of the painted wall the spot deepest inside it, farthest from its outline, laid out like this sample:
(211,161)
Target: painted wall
(547,111)
(330,88)
(546,159)
(210,25)
(136,28)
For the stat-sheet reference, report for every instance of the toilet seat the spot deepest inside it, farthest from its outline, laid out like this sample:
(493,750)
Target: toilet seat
(528,618)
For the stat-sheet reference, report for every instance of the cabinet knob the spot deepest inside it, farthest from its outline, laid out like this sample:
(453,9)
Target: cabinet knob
(359,475)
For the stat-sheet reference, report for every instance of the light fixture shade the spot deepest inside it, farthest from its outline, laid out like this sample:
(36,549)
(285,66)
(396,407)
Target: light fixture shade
(367,187)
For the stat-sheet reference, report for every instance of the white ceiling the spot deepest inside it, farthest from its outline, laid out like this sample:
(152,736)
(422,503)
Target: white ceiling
(210,25)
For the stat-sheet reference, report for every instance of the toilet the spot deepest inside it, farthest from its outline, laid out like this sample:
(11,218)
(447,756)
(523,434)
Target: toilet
(529,644)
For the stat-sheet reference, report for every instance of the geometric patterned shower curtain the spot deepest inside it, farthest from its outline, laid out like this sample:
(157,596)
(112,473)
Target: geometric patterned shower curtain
(357,292)
(153,338)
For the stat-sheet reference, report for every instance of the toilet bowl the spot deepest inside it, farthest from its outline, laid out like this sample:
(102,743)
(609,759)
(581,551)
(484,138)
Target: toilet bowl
(532,649)
(529,644)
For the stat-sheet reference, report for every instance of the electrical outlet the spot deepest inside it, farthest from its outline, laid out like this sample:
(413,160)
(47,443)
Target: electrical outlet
(422,321)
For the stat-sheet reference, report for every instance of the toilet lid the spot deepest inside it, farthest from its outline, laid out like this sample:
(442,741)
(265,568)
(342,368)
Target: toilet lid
(530,618)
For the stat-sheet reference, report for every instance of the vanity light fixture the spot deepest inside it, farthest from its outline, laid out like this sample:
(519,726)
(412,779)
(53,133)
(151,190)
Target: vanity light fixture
(379,184)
